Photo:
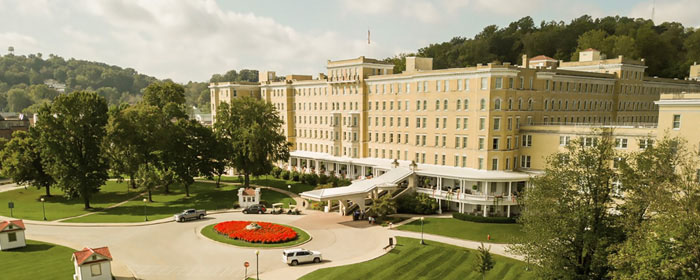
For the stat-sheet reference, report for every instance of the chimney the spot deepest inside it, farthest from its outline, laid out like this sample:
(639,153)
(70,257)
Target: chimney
(526,62)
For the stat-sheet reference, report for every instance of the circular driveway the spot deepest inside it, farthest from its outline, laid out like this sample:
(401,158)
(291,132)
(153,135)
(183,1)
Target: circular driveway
(178,251)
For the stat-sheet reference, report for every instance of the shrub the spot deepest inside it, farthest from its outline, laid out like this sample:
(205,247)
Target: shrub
(312,179)
(295,176)
(417,203)
(236,205)
(265,203)
(285,174)
(276,171)
(344,182)
(334,181)
(323,179)
(302,178)
(480,219)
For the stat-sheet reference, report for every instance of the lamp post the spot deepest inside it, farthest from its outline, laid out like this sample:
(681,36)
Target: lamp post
(43,207)
(145,201)
(257,265)
(289,188)
(421,231)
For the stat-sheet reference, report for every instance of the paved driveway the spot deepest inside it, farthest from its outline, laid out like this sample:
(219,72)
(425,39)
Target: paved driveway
(178,251)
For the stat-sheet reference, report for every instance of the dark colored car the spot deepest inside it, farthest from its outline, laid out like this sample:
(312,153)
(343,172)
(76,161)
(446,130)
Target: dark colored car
(255,208)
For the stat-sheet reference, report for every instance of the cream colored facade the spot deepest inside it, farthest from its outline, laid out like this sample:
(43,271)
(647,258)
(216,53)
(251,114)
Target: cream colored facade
(499,118)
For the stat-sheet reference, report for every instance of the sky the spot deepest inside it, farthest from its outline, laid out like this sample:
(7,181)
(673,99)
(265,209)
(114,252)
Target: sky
(189,40)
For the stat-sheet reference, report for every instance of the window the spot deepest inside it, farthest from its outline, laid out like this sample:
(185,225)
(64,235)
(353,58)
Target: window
(444,105)
(465,122)
(564,140)
(458,125)
(437,122)
(481,143)
(482,123)
(494,164)
(496,143)
(96,269)
(497,104)
(444,141)
(496,123)
(464,162)
(676,121)
(481,165)
(527,141)
(12,237)
(646,143)
(510,123)
(466,104)
(484,83)
(621,143)
(466,85)
(482,104)
(499,83)
(507,145)
(464,141)
(616,162)
(525,161)
(457,141)
(437,105)
(459,104)
(510,85)
(522,83)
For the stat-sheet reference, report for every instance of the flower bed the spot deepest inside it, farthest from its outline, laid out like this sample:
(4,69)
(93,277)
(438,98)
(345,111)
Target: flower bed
(268,233)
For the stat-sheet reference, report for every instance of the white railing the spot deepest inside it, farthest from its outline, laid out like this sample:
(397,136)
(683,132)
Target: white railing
(462,197)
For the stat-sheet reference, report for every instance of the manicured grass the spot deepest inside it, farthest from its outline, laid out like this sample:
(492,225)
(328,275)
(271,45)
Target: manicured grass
(410,260)
(500,233)
(37,261)
(273,182)
(202,196)
(209,232)
(28,205)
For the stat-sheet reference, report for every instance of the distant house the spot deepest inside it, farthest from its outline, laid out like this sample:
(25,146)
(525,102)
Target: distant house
(248,196)
(12,235)
(92,264)
(56,85)
(11,122)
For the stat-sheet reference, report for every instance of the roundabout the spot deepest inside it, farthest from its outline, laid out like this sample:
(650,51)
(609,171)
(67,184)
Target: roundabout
(256,234)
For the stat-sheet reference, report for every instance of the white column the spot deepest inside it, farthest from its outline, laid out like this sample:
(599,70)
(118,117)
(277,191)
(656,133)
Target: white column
(486,210)
(363,171)
(510,188)
(508,210)
(439,206)
(486,190)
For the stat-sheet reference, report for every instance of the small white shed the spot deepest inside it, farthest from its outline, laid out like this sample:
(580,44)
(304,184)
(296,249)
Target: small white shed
(12,235)
(248,196)
(92,264)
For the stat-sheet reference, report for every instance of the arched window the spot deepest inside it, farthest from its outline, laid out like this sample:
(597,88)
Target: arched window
(520,104)
(437,105)
(510,103)
(546,104)
(482,104)
(459,104)
(497,104)
(466,104)
(529,104)
(444,105)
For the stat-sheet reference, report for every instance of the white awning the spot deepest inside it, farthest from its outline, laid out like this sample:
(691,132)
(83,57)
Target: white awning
(360,187)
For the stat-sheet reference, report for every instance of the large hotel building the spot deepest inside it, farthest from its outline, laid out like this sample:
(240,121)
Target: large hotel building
(469,137)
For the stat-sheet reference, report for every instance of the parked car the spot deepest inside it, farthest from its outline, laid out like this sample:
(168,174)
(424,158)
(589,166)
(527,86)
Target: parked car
(190,214)
(255,208)
(296,256)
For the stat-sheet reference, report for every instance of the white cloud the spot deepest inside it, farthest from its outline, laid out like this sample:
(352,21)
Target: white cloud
(19,42)
(684,11)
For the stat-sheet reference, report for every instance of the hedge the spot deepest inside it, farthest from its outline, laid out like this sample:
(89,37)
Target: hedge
(480,219)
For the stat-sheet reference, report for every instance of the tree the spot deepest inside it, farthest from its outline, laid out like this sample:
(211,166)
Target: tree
(567,226)
(193,146)
(22,161)
(18,99)
(383,206)
(218,157)
(484,261)
(168,96)
(661,214)
(71,132)
(252,129)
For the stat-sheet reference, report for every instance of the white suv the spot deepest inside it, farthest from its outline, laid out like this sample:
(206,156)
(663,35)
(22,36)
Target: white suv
(297,256)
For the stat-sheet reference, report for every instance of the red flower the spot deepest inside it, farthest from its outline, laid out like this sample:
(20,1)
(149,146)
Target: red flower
(268,233)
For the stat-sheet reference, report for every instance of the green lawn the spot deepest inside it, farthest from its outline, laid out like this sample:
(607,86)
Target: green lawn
(500,233)
(410,260)
(270,181)
(28,205)
(209,232)
(37,261)
(202,196)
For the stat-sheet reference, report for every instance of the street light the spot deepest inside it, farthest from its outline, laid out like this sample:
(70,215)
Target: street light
(289,187)
(145,200)
(43,207)
(257,265)
(421,231)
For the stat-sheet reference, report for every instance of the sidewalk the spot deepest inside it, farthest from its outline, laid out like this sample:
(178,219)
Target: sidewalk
(9,187)
(498,249)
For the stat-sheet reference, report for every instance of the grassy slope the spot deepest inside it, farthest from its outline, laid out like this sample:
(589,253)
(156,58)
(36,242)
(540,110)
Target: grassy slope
(500,233)
(209,231)
(28,205)
(410,260)
(37,261)
(202,196)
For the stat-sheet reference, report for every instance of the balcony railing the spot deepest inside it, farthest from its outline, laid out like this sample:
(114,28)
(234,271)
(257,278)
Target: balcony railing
(461,197)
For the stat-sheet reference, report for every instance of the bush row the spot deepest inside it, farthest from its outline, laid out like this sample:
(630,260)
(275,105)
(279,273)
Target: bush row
(417,203)
(310,179)
(480,219)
